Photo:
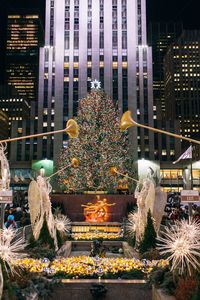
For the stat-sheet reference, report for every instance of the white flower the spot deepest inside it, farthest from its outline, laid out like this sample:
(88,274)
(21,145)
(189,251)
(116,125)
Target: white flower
(11,247)
(132,221)
(182,243)
(191,230)
(7,234)
(62,223)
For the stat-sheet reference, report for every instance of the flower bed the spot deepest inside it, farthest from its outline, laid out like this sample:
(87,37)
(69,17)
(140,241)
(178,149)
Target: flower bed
(96,235)
(92,267)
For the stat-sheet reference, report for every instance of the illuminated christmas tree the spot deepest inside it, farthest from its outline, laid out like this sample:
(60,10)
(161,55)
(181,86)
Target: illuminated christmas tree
(100,145)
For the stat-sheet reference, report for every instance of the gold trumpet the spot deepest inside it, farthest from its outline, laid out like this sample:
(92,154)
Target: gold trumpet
(72,129)
(74,163)
(114,171)
(127,121)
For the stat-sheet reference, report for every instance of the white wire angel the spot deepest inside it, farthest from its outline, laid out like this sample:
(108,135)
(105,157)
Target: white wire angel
(5,170)
(40,208)
(40,205)
(145,201)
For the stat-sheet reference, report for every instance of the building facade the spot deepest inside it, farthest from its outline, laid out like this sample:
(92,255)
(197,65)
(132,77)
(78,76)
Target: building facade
(24,37)
(22,52)
(15,107)
(160,37)
(182,85)
(94,39)
(3,125)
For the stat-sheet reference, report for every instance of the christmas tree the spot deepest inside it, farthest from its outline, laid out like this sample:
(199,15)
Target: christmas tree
(149,239)
(100,145)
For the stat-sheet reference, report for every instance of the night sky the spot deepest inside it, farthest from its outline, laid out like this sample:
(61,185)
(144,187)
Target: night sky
(157,10)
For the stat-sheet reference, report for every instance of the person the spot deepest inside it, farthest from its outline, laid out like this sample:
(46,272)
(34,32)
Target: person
(97,248)
(11,222)
(196,215)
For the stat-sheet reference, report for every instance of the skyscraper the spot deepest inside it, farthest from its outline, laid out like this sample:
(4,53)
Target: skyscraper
(3,125)
(22,50)
(24,37)
(94,39)
(182,84)
(16,108)
(160,37)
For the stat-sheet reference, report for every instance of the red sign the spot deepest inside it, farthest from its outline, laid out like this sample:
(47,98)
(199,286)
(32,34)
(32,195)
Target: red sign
(189,196)
(6,197)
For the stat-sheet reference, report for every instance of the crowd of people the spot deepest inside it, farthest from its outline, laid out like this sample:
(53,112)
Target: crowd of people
(17,214)
(175,210)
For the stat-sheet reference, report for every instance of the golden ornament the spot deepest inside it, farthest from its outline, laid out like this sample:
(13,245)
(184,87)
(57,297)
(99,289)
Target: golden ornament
(75,162)
(113,171)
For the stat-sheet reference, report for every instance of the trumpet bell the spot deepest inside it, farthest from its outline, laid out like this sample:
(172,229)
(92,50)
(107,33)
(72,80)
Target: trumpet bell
(127,121)
(113,171)
(75,162)
(72,129)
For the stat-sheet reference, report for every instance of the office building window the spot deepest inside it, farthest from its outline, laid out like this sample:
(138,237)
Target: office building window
(76,39)
(114,39)
(89,40)
(101,40)
(124,40)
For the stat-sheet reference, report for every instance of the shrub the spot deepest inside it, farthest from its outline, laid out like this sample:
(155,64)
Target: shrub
(156,277)
(168,284)
(152,254)
(149,239)
(185,288)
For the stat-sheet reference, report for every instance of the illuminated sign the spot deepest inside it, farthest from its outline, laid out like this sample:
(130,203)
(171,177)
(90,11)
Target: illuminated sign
(189,196)
(6,197)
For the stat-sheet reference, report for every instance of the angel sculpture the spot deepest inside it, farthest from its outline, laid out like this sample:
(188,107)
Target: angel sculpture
(1,282)
(5,170)
(159,207)
(40,208)
(145,201)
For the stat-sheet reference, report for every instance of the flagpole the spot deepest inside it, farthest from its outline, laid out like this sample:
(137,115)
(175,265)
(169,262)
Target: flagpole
(191,169)
(191,185)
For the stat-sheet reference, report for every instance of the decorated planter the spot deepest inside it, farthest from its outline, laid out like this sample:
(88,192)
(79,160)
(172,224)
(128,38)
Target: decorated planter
(109,290)
(158,294)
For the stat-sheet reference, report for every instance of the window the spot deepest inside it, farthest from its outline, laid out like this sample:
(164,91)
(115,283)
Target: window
(89,40)
(67,42)
(114,39)
(124,40)
(101,40)
(76,39)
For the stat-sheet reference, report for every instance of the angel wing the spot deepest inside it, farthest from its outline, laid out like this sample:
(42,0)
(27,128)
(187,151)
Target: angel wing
(150,198)
(4,167)
(1,282)
(35,207)
(159,206)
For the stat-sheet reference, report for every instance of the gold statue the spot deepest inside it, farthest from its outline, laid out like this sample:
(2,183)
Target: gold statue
(97,212)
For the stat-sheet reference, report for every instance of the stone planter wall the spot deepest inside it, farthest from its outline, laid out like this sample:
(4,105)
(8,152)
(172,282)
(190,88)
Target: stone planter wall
(117,289)
(66,249)
(129,251)
(158,294)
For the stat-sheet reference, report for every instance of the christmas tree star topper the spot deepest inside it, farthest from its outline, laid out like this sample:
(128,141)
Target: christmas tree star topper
(96,85)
